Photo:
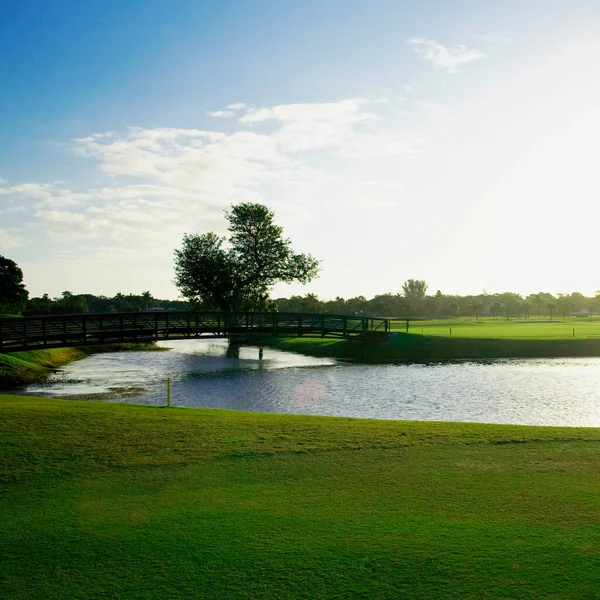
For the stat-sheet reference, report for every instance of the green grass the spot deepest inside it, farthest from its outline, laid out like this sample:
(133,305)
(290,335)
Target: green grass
(413,347)
(116,501)
(501,328)
(450,339)
(18,368)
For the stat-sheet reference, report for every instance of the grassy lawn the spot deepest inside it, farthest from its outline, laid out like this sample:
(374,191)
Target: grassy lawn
(501,328)
(115,501)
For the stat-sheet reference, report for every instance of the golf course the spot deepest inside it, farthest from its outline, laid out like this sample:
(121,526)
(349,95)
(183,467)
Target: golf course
(104,500)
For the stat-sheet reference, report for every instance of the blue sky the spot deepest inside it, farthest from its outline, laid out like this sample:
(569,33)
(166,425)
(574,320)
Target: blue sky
(454,142)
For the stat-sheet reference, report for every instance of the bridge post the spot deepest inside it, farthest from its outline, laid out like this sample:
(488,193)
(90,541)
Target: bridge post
(345,326)
(299,325)
(323,326)
(219,324)
(84,329)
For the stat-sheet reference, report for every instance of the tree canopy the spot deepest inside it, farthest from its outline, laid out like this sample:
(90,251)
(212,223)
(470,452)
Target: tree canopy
(13,295)
(237,273)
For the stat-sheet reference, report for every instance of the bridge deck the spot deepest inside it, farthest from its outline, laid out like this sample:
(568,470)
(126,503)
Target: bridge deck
(55,331)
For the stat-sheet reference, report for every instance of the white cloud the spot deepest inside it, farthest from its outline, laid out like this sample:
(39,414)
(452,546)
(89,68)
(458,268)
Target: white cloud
(166,182)
(46,193)
(2,181)
(12,238)
(446,57)
(236,106)
(309,126)
(494,38)
(220,113)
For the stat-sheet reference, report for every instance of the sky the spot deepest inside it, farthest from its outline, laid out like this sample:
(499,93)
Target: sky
(455,142)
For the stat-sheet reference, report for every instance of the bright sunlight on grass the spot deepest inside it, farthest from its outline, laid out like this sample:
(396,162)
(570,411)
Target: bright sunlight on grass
(115,501)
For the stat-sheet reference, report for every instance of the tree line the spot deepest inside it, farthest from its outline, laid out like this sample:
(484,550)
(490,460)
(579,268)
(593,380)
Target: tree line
(413,301)
(237,273)
(69,303)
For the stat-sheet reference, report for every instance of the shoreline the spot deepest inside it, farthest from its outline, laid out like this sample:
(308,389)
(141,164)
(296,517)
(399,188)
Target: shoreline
(402,348)
(18,369)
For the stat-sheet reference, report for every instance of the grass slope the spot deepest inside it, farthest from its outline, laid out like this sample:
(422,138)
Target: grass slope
(116,501)
(409,347)
(20,368)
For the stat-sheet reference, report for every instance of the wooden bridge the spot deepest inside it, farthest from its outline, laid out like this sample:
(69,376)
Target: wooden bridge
(56,331)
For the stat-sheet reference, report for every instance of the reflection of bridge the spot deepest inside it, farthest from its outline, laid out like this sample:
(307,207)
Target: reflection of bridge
(56,331)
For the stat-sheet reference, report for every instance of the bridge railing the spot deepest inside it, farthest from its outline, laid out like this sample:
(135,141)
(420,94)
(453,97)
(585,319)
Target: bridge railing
(89,329)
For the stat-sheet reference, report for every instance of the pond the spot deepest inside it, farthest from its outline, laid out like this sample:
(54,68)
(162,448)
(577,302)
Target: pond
(204,374)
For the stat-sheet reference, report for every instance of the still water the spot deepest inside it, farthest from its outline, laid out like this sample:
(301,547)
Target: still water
(520,391)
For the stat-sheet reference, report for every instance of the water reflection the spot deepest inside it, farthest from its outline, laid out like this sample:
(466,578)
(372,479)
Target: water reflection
(208,373)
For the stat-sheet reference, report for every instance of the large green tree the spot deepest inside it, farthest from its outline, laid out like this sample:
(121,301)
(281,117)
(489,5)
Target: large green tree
(13,295)
(237,273)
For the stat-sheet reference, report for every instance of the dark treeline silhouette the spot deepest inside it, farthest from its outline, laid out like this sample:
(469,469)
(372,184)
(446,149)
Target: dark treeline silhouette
(414,302)
(69,303)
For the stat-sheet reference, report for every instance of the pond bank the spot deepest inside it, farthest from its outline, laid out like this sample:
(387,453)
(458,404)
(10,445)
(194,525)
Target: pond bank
(20,368)
(405,348)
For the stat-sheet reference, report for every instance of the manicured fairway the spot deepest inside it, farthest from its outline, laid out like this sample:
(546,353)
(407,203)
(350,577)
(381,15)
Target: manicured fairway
(558,328)
(111,501)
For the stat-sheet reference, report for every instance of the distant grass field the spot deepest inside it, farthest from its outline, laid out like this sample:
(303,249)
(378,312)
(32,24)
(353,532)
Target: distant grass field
(133,502)
(501,328)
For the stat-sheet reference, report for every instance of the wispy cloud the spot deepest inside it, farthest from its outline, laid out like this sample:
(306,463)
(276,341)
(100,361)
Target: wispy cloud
(237,106)
(495,39)
(12,238)
(220,113)
(169,181)
(445,57)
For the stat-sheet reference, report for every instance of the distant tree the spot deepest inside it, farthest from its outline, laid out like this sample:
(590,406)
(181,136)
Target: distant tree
(552,307)
(13,295)
(475,306)
(356,306)
(536,301)
(147,299)
(39,306)
(237,274)
(526,308)
(71,304)
(496,309)
(564,304)
(454,309)
(414,292)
